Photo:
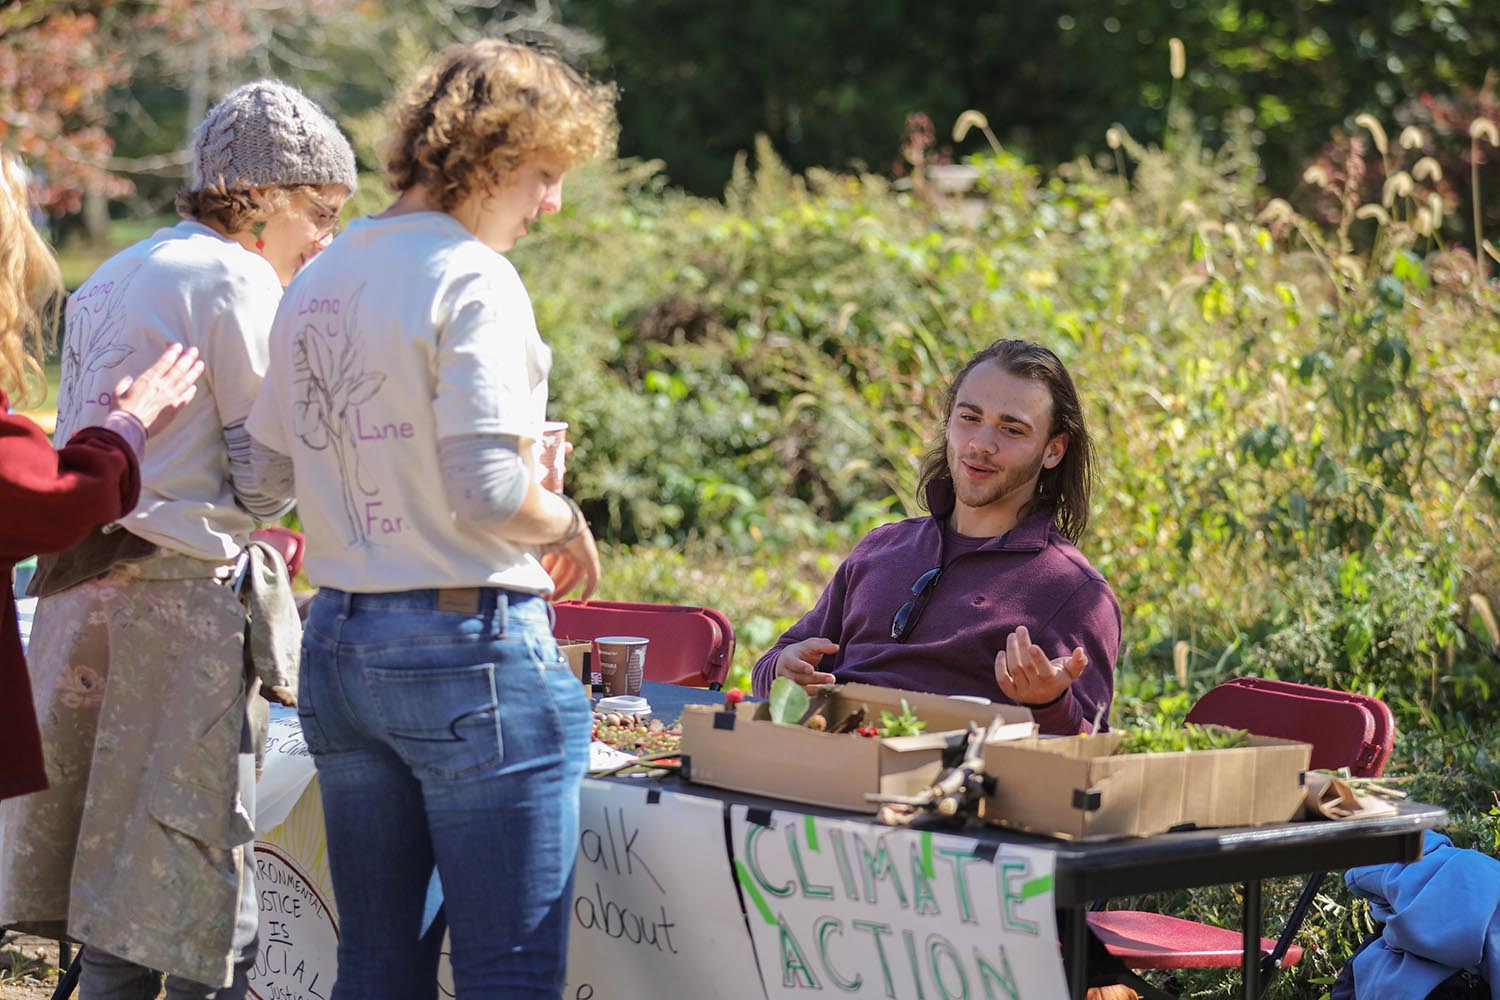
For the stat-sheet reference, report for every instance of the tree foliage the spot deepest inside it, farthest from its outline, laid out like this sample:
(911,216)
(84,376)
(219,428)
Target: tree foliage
(1272,398)
(831,83)
(102,94)
(55,69)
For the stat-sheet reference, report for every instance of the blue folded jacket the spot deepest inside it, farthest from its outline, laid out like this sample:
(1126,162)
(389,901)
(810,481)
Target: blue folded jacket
(1441,915)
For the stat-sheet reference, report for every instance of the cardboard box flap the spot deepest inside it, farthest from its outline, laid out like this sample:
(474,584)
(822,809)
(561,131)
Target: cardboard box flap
(745,750)
(579,654)
(734,750)
(1074,787)
(924,741)
(1014,731)
(938,711)
(1089,747)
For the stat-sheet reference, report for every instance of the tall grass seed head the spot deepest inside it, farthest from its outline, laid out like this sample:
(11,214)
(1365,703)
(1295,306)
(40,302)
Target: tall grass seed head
(1371,124)
(1398,185)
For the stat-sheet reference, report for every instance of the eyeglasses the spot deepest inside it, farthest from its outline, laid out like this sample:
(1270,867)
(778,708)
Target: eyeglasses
(324,217)
(910,612)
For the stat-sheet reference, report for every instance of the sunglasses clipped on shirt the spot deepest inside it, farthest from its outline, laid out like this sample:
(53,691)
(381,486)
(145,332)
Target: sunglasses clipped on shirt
(910,613)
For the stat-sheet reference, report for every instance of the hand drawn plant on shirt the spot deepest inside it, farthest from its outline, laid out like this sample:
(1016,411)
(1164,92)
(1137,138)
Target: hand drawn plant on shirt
(96,317)
(331,380)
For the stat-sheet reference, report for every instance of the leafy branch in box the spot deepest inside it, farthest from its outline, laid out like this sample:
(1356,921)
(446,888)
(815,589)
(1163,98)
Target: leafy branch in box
(1189,737)
(788,701)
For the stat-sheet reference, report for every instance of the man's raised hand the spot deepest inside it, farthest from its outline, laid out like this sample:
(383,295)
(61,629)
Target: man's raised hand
(1027,677)
(800,660)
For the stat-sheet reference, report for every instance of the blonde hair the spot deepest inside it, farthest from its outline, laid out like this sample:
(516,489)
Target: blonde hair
(481,109)
(30,289)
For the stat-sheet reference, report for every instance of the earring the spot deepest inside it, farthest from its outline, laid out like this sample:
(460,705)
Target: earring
(260,244)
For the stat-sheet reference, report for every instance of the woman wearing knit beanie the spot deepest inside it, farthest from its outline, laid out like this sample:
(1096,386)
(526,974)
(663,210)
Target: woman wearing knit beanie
(405,393)
(141,847)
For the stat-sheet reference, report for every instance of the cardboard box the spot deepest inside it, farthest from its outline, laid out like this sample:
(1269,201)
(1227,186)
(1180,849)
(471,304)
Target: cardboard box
(744,750)
(580,657)
(1072,787)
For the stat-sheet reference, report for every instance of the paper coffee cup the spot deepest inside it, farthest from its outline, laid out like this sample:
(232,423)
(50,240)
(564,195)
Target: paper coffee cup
(552,459)
(622,661)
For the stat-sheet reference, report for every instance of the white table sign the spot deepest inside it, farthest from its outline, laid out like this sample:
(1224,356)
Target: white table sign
(288,770)
(298,957)
(844,908)
(655,912)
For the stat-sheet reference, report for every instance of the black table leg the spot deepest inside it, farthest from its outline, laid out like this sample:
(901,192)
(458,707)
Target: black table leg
(1076,940)
(1251,916)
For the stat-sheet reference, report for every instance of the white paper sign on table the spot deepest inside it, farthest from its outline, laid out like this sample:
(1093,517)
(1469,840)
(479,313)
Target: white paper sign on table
(655,912)
(849,909)
(25,612)
(288,770)
(299,933)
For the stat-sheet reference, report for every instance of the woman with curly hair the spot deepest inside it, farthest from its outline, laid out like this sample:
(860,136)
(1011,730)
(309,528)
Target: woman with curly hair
(51,499)
(141,847)
(406,391)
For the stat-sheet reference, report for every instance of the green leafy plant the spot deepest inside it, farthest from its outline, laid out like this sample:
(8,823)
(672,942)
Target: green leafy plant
(905,723)
(788,701)
(1190,737)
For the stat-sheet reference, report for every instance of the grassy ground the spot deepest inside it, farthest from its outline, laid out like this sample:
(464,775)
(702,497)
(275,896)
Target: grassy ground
(28,967)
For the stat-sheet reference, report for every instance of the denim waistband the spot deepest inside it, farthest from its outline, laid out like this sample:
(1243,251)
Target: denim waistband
(466,600)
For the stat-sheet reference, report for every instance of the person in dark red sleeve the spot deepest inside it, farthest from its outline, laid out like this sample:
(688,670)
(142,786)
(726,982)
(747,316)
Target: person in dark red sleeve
(987,595)
(50,499)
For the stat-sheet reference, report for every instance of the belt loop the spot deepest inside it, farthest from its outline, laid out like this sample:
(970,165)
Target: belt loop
(500,623)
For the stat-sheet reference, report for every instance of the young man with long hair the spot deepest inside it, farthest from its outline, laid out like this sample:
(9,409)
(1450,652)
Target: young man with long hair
(987,595)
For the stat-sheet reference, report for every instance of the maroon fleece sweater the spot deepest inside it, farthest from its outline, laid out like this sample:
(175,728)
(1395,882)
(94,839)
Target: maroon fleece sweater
(49,500)
(1030,576)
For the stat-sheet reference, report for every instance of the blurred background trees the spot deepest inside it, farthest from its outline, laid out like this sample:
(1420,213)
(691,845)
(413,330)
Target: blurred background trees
(1267,257)
(831,83)
(100,93)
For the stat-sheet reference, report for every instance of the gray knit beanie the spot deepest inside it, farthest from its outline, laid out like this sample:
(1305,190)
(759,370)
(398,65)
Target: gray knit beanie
(269,134)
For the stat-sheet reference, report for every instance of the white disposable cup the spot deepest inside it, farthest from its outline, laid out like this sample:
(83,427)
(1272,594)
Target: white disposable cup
(625,704)
(552,461)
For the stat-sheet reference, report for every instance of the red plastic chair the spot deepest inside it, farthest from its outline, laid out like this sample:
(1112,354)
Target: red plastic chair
(1346,730)
(693,647)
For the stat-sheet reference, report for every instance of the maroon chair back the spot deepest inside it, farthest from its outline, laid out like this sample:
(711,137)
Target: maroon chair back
(1346,730)
(690,646)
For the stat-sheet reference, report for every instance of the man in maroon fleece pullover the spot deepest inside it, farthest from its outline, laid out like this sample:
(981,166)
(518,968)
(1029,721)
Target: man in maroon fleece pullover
(987,595)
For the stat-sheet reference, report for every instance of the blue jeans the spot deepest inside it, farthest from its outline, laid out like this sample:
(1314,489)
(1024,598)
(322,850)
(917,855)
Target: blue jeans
(450,738)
